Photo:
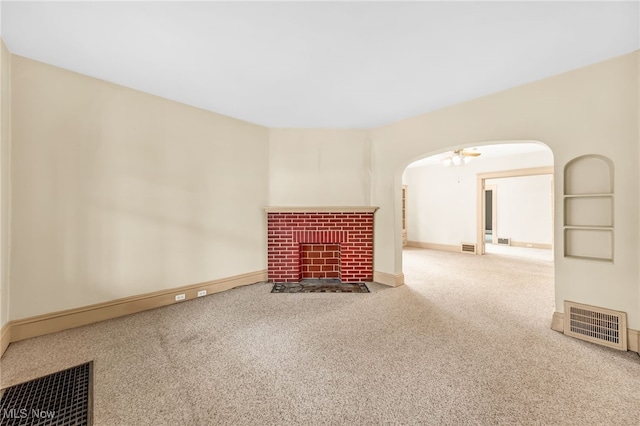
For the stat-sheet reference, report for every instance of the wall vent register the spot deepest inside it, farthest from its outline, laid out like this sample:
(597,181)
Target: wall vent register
(468,248)
(597,325)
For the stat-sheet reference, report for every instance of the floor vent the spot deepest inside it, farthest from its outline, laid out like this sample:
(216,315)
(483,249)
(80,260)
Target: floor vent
(62,398)
(468,248)
(504,241)
(597,325)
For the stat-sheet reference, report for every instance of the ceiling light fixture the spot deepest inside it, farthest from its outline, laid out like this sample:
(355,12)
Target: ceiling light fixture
(459,157)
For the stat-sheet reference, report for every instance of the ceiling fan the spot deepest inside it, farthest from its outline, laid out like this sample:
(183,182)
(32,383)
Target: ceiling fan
(460,157)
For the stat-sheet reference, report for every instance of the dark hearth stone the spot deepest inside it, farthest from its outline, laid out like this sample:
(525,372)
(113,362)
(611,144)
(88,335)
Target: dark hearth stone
(330,285)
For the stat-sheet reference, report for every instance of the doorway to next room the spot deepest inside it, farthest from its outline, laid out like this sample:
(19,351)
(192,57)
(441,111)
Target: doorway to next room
(496,199)
(489,209)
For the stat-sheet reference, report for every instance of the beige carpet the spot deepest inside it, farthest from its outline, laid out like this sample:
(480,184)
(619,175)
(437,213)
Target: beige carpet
(466,341)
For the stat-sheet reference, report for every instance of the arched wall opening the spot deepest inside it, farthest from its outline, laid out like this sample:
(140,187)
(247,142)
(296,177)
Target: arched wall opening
(445,209)
(565,113)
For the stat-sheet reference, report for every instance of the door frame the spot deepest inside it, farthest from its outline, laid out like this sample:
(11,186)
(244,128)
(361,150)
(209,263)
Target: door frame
(480,185)
(494,211)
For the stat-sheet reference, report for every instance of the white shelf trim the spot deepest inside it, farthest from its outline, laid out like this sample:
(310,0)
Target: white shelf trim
(588,195)
(590,227)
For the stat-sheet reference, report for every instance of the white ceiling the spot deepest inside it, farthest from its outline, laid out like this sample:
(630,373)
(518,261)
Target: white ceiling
(320,64)
(486,151)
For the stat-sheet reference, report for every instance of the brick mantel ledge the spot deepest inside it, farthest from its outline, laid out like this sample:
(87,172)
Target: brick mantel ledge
(322,209)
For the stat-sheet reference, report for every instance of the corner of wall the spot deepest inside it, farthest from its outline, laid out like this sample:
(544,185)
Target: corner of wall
(369,155)
(270,168)
(638,142)
(5,190)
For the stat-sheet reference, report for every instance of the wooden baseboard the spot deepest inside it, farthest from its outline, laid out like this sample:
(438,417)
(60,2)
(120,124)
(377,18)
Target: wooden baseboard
(531,245)
(456,249)
(63,320)
(557,322)
(5,337)
(434,246)
(633,340)
(388,279)
(633,336)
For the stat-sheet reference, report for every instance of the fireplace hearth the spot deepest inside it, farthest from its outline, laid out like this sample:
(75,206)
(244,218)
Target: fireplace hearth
(322,285)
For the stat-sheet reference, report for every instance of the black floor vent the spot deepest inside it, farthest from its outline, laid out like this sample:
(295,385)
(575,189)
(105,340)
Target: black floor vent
(62,398)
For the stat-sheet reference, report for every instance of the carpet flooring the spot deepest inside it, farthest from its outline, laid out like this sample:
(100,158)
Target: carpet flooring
(467,341)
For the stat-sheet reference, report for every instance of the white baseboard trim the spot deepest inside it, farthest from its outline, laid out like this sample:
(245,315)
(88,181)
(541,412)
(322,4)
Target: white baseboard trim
(434,246)
(633,336)
(388,279)
(456,249)
(71,318)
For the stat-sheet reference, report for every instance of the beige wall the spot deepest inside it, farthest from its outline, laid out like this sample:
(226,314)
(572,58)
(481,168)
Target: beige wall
(319,167)
(637,139)
(5,180)
(590,110)
(118,193)
(524,209)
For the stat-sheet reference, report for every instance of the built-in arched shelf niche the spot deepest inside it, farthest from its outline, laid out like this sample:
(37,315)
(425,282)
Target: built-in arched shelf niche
(588,208)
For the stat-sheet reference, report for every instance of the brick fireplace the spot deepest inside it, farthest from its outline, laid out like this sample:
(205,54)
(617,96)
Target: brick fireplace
(320,242)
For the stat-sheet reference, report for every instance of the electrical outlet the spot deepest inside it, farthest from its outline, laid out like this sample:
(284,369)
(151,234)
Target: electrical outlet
(179,297)
(202,293)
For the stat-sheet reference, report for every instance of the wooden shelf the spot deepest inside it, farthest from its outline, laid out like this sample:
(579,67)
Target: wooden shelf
(599,259)
(587,195)
(590,227)
(588,212)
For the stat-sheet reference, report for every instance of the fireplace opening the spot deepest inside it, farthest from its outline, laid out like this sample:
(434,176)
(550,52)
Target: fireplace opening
(319,261)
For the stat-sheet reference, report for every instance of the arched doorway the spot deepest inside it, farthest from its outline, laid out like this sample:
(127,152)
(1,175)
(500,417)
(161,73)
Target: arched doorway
(443,207)
(455,196)
(528,211)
